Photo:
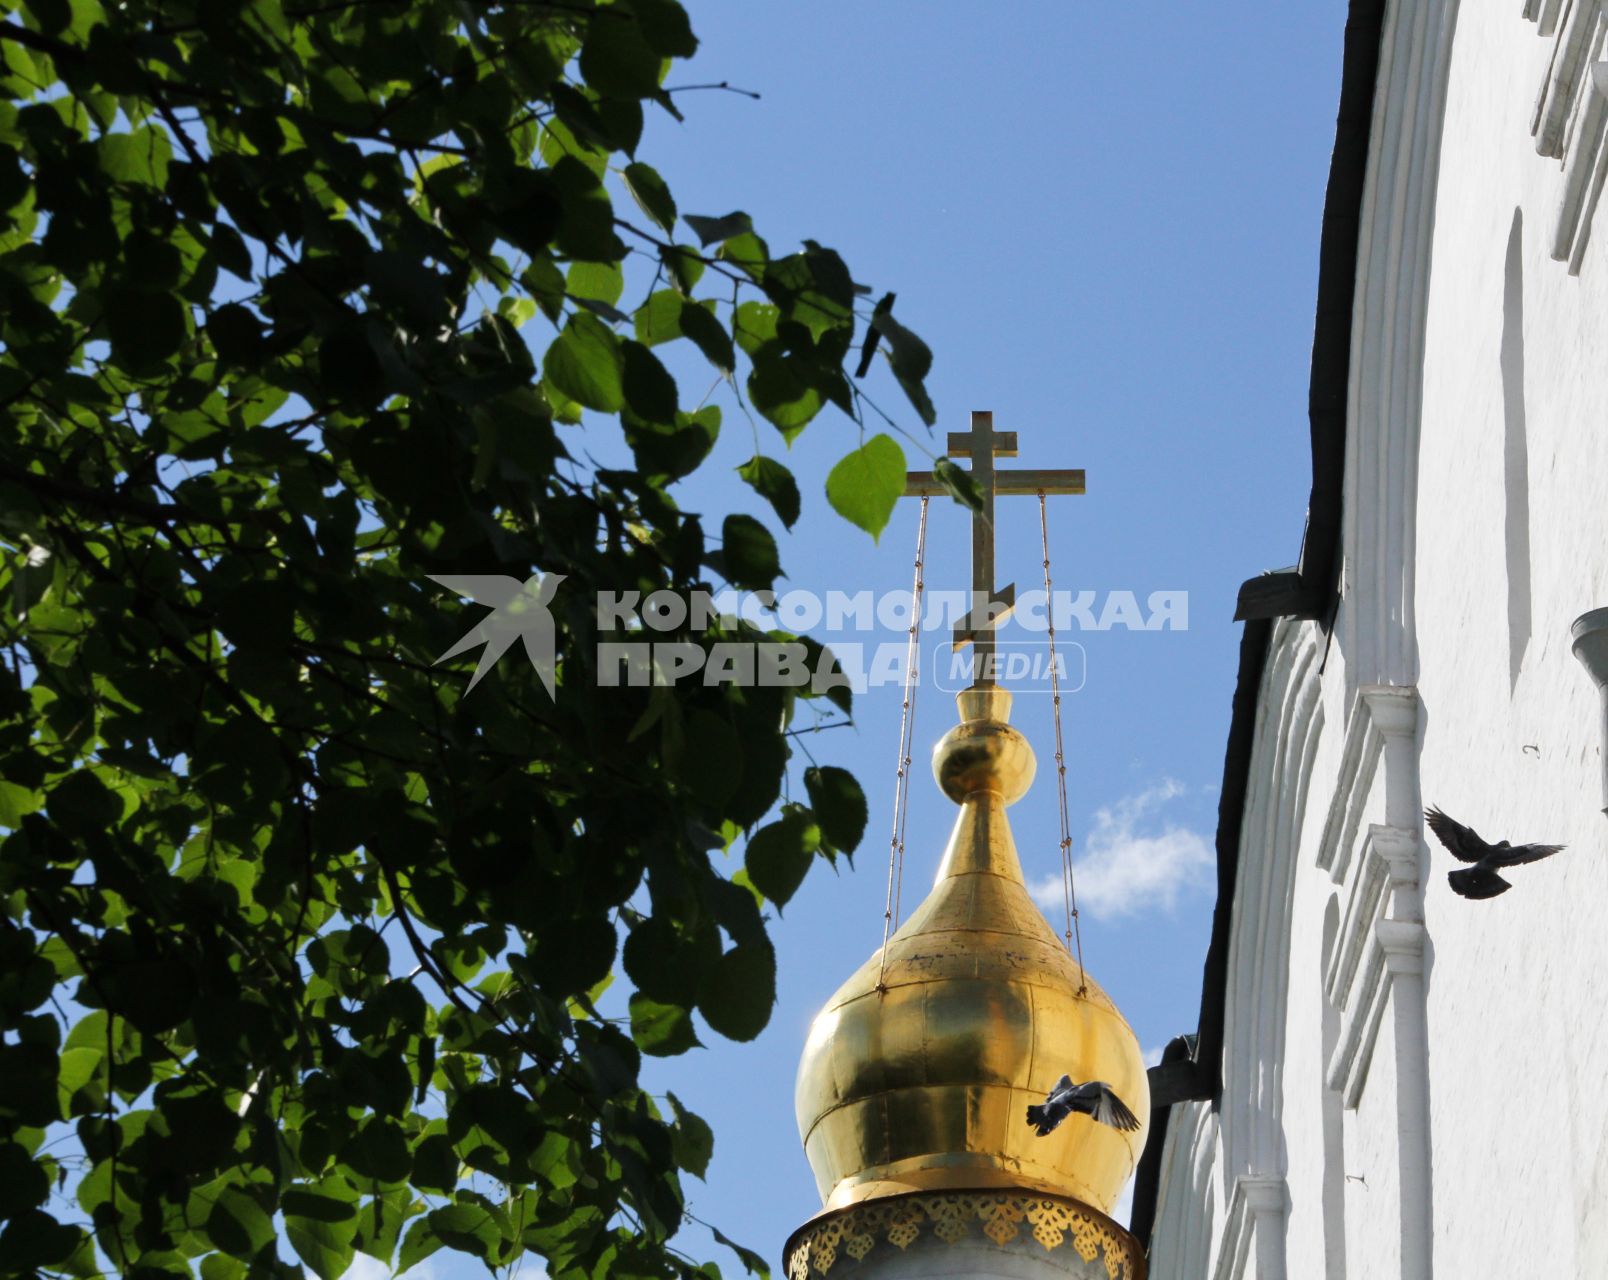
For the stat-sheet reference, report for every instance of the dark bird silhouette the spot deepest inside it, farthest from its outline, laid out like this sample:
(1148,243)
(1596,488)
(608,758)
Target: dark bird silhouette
(1095,1099)
(1481,880)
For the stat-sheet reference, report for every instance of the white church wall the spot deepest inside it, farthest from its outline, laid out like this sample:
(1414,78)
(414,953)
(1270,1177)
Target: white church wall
(1186,1203)
(1372,1185)
(1307,1047)
(1512,545)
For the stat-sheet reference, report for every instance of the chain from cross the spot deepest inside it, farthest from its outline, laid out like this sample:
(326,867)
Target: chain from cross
(982,444)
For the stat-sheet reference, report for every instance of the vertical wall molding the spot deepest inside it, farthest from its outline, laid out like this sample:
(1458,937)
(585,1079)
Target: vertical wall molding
(1258,1218)
(1375,627)
(1401,937)
(1570,124)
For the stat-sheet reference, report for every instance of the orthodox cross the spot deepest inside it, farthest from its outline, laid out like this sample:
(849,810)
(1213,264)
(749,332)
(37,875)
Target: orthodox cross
(982,444)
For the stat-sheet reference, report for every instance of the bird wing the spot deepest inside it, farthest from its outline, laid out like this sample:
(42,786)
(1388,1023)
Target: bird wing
(1520,854)
(1112,1110)
(1464,843)
(494,589)
(1061,1085)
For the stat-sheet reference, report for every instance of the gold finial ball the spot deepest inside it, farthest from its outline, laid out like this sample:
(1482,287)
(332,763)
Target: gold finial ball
(984,755)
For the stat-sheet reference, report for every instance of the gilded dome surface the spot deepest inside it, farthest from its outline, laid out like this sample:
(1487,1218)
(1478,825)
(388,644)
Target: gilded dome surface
(917,1074)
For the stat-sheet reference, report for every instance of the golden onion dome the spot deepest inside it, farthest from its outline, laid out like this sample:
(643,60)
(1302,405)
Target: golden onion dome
(917,1074)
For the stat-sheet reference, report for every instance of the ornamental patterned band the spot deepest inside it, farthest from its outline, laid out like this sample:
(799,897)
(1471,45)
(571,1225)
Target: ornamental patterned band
(1002,1216)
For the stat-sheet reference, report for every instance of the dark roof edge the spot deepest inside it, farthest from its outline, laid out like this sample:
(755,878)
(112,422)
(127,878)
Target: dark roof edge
(1192,1066)
(1311,589)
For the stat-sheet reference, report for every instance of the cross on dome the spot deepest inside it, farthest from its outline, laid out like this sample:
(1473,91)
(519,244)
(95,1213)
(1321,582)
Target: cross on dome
(982,444)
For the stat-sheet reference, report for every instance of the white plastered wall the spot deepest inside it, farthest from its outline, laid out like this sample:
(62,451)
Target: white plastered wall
(1512,545)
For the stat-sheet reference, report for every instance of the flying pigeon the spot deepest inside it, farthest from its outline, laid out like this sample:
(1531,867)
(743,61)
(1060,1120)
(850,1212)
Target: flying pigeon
(1481,880)
(1095,1099)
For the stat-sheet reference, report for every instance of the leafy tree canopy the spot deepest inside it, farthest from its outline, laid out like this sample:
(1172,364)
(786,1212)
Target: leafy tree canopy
(301,944)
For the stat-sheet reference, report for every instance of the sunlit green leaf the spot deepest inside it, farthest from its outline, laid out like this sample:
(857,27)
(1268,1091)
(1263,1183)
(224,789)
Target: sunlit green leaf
(865,485)
(586,364)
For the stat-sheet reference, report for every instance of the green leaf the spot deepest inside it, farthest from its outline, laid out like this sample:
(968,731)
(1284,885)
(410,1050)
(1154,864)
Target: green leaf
(784,388)
(418,1244)
(662,1030)
(598,281)
(960,483)
(910,359)
(435,1164)
(23,1182)
(839,805)
(321,1228)
(665,27)
(237,337)
(713,230)
(145,329)
(740,990)
(713,760)
(79,1086)
(141,156)
(865,485)
(685,265)
(237,1224)
(231,252)
(779,855)
(709,335)
(217,1266)
(155,995)
(667,963)
(692,1139)
(617,59)
(649,390)
(748,553)
(28,1084)
(747,252)
(586,364)
(379,1151)
(775,483)
(380,1220)
(752,1262)
(34,1239)
(755,326)
(470,1228)
(909,355)
(648,189)
(16,801)
(659,318)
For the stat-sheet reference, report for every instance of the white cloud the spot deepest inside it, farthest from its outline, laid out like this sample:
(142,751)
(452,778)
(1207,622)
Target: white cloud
(457,1267)
(1132,860)
(366,1268)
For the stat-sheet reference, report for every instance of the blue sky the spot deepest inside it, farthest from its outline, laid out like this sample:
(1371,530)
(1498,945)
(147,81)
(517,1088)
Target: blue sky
(1104,219)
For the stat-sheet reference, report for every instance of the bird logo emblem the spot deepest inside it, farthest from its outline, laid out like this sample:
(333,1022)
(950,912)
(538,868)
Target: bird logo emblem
(519,612)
